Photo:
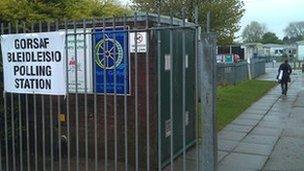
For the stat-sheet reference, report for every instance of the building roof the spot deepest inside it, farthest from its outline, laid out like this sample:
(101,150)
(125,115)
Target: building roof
(252,45)
(142,17)
(271,45)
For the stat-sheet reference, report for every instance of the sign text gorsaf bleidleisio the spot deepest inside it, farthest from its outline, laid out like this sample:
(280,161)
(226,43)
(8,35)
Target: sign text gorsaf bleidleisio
(34,63)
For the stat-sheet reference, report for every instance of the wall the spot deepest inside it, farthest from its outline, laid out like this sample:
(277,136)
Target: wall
(301,52)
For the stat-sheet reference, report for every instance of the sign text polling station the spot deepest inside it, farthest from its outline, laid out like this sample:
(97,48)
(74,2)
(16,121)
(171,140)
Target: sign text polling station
(34,63)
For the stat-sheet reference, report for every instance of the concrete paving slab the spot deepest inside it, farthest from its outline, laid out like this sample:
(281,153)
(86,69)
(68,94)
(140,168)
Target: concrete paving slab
(286,99)
(300,100)
(229,135)
(270,124)
(260,139)
(252,148)
(299,123)
(278,118)
(250,116)
(274,122)
(255,111)
(288,154)
(282,105)
(239,161)
(272,96)
(278,113)
(267,103)
(238,128)
(250,122)
(266,131)
(221,155)
(252,112)
(297,113)
(234,168)
(281,109)
(293,132)
(259,107)
(227,145)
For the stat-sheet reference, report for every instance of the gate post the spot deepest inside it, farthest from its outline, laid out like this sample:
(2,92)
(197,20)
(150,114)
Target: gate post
(207,94)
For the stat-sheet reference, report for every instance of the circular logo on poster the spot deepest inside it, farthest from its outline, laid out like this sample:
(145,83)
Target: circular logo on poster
(109,53)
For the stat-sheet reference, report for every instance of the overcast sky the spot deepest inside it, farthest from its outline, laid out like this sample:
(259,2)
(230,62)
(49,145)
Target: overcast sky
(276,14)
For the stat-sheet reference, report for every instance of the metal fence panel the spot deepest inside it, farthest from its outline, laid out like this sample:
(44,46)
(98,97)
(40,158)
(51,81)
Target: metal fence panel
(236,73)
(142,111)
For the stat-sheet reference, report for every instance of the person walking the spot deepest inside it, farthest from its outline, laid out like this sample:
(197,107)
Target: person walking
(284,76)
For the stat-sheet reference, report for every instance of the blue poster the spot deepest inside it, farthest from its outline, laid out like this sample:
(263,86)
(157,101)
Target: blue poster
(112,61)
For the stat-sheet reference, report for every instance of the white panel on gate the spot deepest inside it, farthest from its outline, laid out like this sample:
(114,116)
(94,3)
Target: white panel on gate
(141,46)
(81,40)
(34,63)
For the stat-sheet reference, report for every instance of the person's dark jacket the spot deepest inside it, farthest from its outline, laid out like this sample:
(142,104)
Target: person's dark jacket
(286,72)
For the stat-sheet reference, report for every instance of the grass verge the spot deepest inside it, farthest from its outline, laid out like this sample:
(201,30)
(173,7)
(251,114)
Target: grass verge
(233,100)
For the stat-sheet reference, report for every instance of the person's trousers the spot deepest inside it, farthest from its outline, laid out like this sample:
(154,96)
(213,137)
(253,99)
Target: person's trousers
(284,86)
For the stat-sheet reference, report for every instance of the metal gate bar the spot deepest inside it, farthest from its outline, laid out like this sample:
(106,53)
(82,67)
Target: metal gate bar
(125,102)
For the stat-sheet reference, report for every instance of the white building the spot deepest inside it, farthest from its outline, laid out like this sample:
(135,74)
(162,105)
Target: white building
(252,50)
(300,50)
(273,50)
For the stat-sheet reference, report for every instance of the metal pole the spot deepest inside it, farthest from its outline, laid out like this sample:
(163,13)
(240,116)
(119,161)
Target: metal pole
(12,121)
(86,100)
(76,97)
(125,95)
(159,93)
(207,76)
(43,120)
(136,98)
(171,95)
(51,132)
(67,95)
(95,101)
(198,136)
(148,96)
(20,121)
(184,90)
(58,120)
(5,118)
(105,100)
(115,104)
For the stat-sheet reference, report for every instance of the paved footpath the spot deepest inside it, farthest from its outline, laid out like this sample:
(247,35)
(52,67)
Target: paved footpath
(269,135)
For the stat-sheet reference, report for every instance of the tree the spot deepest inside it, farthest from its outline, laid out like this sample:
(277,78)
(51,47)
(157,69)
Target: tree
(295,30)
(253,32)
(270,37)
(292,40)
(44,10)
(224,18)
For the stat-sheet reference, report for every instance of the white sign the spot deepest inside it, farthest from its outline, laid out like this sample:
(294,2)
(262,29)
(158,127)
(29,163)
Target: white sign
(168,127)
(34,63)
(187,61)
(167,62)
(141,38)
(84,54)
